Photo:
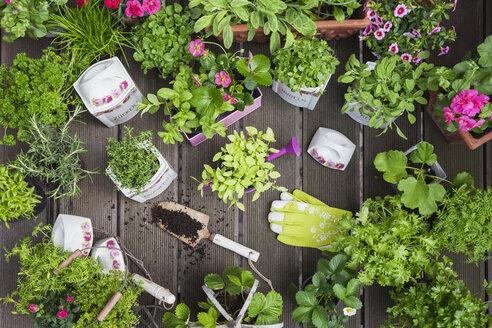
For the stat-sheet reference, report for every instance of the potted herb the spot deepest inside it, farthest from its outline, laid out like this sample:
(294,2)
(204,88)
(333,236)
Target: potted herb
(19,199)
(228,294)
(53,158)
(443,300)
(136,167)
(242,164)
(30,17)
(162,40)
(39,293)
(303,70)
(384,90)
(199,103)
(321,293)
(407,27)
(30,87)
(460,104)
(390,244)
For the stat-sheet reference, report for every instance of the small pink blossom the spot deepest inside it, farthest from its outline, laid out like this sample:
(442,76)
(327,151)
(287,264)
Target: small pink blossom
(81,3)
(379,20)
(87,245)
(379,34)
(340,166)
(416,33)
(367,30)
(401,10)
(321,160)
(409,35)
(87,236)
(387,26)
(116,264)
(394,48)
(197,47)
(436,29)
(114,253)
(110,244)
(8,1)
(108,99)
(466,123)
(223,79)
(444,51)
(469,102)
(448,115)
(62,314)
(97,101)
(314,153)
(86,227)
(406,57)
(69,299)
(134,9)
(229,97)
(371,14)
(416,60)
(331,164)
(33,308)
(116,92)
(123,85)
(151,6)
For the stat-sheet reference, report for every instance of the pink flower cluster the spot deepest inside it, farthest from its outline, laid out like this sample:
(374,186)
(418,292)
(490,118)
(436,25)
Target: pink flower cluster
(464,107)
(135,9)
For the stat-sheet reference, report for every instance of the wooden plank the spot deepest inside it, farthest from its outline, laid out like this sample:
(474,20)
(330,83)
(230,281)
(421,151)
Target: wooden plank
(335,188)
(278,262)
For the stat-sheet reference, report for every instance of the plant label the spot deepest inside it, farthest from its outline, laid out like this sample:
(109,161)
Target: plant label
(307,98)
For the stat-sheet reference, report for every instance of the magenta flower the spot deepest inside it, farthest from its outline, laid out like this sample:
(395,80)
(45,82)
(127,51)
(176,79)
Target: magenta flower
(379,20)
(465,123)
(367,30)
(8,1)
(87,237)
(69,299)
(87,245)
(134,9)
(229,97)
(151,6)
(196,48)
(401,11)
(416,60)
(321,160)
(379,34)
(331,164)
(116,264)
(223,79)
(387,26)
(435,30)
(444,51)
(406,57)
(62,314)
(33,308)
(394,48)
(314,153)
(448,115)
(108,99)
(86,227)
(371,14)
(123,85)
(114,253)
(110,244)
(340,166)
(469,102)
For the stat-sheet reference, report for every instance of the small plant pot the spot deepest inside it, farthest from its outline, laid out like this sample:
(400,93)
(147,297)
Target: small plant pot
(159,182)
(307,98)
(458,137)
(197,138)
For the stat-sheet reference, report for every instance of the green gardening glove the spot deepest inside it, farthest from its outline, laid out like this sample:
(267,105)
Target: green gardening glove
(302,220)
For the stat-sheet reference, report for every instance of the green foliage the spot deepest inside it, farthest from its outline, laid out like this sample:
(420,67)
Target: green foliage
(464,222)
(243,165)
(386,92)
(390,244)
(442,301)
(53,158)
(17,198)
(306,64)
(412,177)
(422,17)
(22,17)
(89,288)
(333,281)
(34,87)
(337,9)
(89,32)
(132,161)
(162,40)
(49,307)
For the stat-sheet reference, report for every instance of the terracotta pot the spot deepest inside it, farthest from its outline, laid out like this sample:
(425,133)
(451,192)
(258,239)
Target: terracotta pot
(458,137)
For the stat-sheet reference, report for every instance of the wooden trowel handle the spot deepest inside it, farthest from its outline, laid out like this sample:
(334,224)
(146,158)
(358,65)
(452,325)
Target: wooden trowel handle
(235,247)
(109,306)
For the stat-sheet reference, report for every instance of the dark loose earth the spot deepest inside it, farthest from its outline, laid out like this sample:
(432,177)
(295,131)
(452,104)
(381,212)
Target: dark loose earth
(177,222)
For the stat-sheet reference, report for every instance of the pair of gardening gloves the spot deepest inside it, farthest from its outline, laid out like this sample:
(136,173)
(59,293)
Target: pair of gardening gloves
(302,220)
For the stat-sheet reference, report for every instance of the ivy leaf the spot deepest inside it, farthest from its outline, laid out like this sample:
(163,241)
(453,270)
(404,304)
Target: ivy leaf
(393,163)
(424,154)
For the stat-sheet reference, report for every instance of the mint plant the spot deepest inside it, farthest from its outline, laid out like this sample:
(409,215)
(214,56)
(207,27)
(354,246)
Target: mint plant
(332,282)
(308,63)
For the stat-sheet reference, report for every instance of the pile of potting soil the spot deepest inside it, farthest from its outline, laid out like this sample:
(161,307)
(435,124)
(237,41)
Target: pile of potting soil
(177,222)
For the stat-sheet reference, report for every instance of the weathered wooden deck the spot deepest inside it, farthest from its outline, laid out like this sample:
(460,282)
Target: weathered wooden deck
(182,269)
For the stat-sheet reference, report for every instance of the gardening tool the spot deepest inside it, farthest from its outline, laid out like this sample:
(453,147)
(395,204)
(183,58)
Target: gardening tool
(204,233)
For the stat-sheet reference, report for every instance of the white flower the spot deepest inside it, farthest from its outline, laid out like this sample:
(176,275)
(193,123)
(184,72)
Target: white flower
(348,311)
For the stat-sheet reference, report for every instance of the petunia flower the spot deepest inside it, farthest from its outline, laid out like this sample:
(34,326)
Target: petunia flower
(371,14)
(416,60)
(379,20)
(62,314)
(69,299)
(448,115)
(367,30)
(33,308)
(151,6)
(436,29)
(134,9)
(348,311)
(196,48)
(223,79)
(444,51)
(401,10)
(379,34)
(416,33)
(394,48)
(406,57)
(387,26)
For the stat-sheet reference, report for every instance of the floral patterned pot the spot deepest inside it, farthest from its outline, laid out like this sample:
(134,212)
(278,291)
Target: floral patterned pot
(307,98)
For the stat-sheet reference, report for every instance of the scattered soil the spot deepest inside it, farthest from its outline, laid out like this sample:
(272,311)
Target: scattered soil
(427,170)
(177,222)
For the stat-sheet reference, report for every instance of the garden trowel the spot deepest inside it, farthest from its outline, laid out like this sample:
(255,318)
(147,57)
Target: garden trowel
(204,233)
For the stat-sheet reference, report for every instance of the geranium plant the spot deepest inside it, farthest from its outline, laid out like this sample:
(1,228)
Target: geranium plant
(308,63)
(390,244)
(407,27)
(242,164)
(56,310)
(162,40)
(332,282)
(133,8)
(221,84)
(387,91)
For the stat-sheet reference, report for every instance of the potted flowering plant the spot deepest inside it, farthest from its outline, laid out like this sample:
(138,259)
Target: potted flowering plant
(408,27)
(460,104)
(200,100)
(129,11)
(303,70)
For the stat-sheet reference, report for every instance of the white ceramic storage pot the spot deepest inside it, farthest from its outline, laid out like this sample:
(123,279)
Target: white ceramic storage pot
(72,232)
(108,92)
(108,252)
(331,149)
(307,97)
(159,182)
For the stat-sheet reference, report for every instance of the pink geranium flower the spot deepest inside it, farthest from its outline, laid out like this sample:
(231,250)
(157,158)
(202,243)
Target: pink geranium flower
(436,29)
(223,79)
(110,244)
(444,51)
(134,9)
(196,48)
(151,6)
(448,115)
(387,26)
(406,57)
(69,299)
(62,314)
(394,48)
(466,123)
(33,308)
(401,10)
(379,34)
(229,97)
(469,102)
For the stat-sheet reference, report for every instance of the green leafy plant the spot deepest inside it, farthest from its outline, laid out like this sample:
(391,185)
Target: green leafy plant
(337,9)
(132,162)
(231,290)
(242,164)
(386,92)
(162,40)
(17,198)
(443,300)
(464,222)
(29,17)
(53,158)
(82,279)
(391,245)
(332,282)
(222,83)
(38,87)
(306,64)
(56,310)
